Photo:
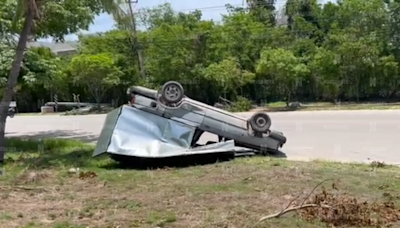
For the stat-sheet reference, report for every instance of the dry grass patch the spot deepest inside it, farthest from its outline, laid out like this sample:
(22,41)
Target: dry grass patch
(230,194)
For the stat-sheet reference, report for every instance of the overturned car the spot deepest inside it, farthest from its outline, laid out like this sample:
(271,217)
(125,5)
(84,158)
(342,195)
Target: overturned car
(167,123)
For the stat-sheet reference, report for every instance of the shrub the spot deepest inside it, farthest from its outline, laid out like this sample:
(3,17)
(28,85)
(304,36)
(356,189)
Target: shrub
(242,104)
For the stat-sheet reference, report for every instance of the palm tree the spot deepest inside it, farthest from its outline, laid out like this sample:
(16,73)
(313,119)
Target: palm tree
(29,11)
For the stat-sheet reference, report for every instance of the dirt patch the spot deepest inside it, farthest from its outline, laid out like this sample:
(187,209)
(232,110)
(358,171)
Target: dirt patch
(339,210)
(30,177)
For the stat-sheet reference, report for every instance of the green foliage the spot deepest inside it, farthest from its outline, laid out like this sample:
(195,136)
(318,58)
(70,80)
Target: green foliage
(6,56)
(40,67)
(97,72)
(286,69)
(7,9)
(74,15)
(228,75)
(242,104)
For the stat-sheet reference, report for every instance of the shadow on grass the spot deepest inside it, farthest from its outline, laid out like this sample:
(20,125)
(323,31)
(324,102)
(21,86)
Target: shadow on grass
(62,134)
(128,162)
(63,153)
(48,153)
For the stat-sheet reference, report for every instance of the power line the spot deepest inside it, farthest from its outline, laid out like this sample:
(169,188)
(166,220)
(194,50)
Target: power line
(223,7)
(164,40)
(327,19)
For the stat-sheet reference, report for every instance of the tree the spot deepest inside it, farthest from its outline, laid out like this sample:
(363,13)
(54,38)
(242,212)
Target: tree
(42,19)
(154,17)
(116,43)
(324,68)
(228,76)
(263,11)
(97,72)
(7,10)
(176,48)
(39,69)
(284,67)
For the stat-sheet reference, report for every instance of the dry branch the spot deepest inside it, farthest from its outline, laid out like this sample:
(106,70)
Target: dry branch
(26,188)
(316,186)
(287,209)
(276,215)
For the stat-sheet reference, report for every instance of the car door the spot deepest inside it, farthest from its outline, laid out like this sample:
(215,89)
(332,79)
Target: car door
(186,113)
(147,104)
(224,124)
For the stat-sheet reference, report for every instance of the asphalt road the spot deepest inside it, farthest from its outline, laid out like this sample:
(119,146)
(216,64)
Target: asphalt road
(356,136)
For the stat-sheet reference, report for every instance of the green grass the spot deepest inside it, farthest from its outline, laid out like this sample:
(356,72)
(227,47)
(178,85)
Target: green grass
(38,189)
(49,153)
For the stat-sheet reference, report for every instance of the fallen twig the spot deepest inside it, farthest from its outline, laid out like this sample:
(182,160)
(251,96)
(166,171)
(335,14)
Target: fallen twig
(316,186)
(287,209)
(276,215)
(30,188)
(290,203)
(26,188)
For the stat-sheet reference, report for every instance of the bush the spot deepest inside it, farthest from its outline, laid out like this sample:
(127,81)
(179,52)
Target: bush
(242,104)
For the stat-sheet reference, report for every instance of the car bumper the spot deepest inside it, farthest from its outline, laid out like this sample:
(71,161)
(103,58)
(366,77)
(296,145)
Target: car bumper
(277,135)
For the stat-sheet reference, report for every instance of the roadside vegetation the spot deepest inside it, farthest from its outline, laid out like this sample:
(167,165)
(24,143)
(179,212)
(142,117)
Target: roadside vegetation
(55,183)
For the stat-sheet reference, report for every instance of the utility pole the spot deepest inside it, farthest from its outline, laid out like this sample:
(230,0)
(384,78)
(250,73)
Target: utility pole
(136,45)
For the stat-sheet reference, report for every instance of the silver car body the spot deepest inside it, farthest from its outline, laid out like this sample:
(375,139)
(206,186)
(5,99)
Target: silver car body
(130,132)
(207,118)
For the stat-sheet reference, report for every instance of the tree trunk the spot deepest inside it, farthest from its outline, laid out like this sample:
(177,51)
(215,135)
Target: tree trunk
(98,97)
(288,96)
(136,44)
(13,76)
(98,103)
(287,100)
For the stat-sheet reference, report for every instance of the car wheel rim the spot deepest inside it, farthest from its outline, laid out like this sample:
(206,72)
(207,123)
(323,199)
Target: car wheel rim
(261,122)
(172,92)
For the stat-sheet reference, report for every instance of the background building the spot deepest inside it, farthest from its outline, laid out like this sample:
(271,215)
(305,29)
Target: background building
(60,49)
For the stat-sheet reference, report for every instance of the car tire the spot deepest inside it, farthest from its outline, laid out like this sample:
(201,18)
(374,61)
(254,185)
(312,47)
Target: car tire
(260,122)
(172,92)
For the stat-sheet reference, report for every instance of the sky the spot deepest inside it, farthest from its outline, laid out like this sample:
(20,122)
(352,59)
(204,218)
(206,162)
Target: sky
(212,9)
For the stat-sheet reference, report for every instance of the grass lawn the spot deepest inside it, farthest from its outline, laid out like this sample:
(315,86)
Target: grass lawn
(39,189)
